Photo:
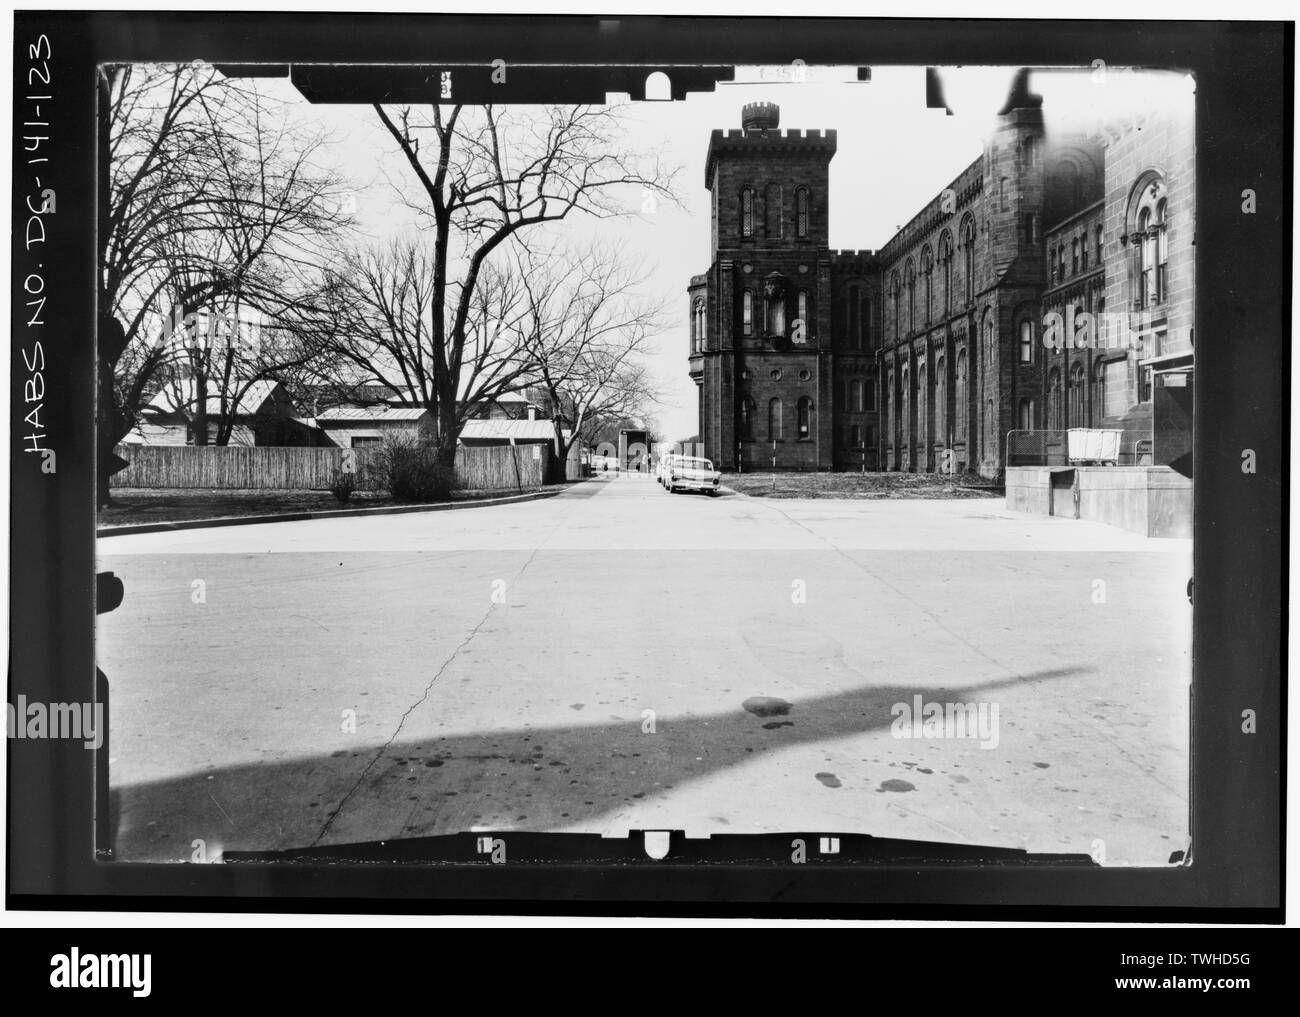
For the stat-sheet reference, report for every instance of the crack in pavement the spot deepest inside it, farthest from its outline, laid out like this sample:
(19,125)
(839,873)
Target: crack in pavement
(428,689)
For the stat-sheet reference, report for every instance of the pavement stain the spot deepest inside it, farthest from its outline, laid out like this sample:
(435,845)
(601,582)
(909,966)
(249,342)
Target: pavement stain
(896,785)
(829,779)
(767,706)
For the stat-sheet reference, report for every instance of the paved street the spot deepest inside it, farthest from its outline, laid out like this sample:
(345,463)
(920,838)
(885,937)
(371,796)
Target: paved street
(619,658)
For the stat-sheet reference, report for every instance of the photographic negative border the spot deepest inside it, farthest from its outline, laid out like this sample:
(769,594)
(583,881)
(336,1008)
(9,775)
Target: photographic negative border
(1244,140)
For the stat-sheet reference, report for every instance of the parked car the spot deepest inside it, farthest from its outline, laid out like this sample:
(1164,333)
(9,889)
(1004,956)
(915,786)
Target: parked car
(689,473)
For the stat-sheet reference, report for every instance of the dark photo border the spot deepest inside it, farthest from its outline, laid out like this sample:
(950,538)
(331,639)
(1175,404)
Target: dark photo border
(1244,129)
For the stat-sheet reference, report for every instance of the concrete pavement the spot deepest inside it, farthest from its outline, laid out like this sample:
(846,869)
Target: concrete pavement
(619,658)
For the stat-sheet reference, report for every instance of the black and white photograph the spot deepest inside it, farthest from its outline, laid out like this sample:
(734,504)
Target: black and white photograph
(802,482)
(500,452)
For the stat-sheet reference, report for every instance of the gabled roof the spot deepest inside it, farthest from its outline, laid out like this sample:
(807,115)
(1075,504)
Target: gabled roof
(181,398)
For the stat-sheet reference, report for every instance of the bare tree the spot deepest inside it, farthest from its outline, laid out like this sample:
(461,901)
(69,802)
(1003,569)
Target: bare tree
(374,324)
(586,333)
(206,195)
(485,176)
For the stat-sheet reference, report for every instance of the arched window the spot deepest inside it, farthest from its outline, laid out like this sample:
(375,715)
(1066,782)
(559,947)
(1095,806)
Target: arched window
(805,418)
(865,318)
(700,318)
(945,259)
(1054,399)
(927,270)
(801,212)
(962,395)
(1077,396)
(747,212)
(905,406)
(940,399)
(747,419)
(1070,185)
(1074,257)
(922,403)
(893,295)
(774,419)
(1026,415)
(802,312)
(1026,342)
(772,211)
(968,246)
(1098,245)
(854,312)
(1162,248)
(1082,244)
(747,312)
(889,408)
(1098,391)
(1146,259)
(1149,222)
(776,315)
(855,395)
(911,296)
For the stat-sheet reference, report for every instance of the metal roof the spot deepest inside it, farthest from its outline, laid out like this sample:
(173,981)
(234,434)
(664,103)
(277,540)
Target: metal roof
(371,414)
(504,430)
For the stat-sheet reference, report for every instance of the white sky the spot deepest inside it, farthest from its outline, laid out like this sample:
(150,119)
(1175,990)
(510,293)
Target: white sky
(894,155)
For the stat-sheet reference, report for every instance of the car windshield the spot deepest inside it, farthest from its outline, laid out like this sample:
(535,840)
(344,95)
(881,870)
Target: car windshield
(695,464)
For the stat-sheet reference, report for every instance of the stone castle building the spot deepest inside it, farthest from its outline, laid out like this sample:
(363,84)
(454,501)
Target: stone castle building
(925,355)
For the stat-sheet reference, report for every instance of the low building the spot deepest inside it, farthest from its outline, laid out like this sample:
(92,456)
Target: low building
(252,413)
(358,426)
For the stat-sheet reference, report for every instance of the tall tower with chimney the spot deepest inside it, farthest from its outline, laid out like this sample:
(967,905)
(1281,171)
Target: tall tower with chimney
(761,349)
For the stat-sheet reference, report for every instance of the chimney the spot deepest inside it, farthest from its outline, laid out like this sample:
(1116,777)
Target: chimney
(760,116)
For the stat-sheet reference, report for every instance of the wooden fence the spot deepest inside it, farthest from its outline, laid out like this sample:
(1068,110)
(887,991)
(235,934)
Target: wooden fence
(488,468)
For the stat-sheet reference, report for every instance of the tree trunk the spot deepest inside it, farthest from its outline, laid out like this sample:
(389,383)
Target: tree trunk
(446,459)
(111,425)
(559,464)
(445,449)
(200,382)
